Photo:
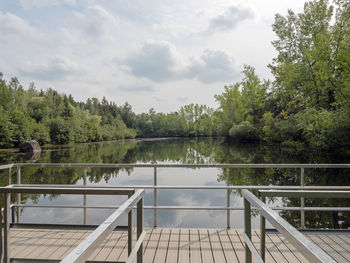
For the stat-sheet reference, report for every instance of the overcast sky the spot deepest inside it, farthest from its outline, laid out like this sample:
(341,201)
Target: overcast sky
(151,53)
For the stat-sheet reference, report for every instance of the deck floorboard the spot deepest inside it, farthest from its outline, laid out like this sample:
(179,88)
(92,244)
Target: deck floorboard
(173,245)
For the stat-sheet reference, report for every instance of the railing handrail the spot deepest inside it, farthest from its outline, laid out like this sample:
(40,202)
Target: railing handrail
(200,187)
(302,193)
(155,166)
(212,208)
(308,248)
(6,166)
(88,246)
(82,252)
(96,190)
(161,165)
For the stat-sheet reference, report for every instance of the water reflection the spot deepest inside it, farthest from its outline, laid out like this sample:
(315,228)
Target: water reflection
(196,151)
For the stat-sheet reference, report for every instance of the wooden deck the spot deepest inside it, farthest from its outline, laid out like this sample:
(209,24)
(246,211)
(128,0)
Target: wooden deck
(172,245)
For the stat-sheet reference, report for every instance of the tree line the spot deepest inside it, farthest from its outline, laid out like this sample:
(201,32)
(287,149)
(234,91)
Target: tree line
(306,104)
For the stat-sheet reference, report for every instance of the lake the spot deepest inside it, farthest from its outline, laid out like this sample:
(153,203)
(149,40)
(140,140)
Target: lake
(178,151)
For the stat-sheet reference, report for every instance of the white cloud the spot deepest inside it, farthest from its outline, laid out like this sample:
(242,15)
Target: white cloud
(29,4)
(161,62)
(58,68)
(96,21)
(229,20)
(71,45)
(213,66)
(14,26)
(156,60)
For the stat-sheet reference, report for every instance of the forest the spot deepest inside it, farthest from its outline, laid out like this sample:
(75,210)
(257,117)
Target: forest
(306,104)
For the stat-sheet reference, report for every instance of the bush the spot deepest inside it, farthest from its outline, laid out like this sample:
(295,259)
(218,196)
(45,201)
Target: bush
(59,131)
(245,131)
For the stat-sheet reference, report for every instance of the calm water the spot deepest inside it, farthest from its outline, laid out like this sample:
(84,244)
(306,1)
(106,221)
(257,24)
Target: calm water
(194,151)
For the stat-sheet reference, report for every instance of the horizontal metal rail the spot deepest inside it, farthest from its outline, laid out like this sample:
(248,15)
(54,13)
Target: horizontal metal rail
(15,189)
(6,166)
(89,245)
(137,165)
(104,229)
(308,248)
(224,208)
(155,187)
(309,194)
(199,187)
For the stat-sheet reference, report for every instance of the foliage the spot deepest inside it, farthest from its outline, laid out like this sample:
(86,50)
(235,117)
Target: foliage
(308,101)
(245,131)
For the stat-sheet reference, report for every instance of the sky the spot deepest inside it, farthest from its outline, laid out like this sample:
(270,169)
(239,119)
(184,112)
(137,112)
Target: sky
(159,54)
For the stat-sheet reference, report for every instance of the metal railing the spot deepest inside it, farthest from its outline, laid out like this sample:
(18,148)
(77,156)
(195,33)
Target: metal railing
(309,249)
(155,187)
(299,194)
(87,247)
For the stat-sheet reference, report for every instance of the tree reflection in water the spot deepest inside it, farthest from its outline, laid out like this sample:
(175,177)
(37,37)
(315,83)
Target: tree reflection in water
(189,151)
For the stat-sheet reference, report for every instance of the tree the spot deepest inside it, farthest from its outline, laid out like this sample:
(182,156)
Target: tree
(310,70)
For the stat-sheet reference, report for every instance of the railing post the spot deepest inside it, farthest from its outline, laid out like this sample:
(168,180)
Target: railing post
(18,195)
(247,229)
(262,231)
(1,236)
(84,197)
(6,227)
(139,230)
(155,198)
(130,228)
(228,199)
(302,200)
(10,179)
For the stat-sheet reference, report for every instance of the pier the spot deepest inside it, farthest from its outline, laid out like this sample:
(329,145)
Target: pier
(113,242)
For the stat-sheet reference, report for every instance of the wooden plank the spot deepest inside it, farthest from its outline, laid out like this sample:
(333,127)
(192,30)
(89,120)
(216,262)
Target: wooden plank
(207,253)
(335,246)
(19,237)
(99,248)
(328,249)
(49,239)
(33,243)
(344,237)
(17,232)
(226,244)
(237,244)
(173,246)
(282,248)
(344,248)
(70,244)
(118,247)
(161,253)
(103,253)
(270,246)
(20,242)
(146,241)
(218,252)
(60,240)
(184,247)
(256,242)
(296,253)
(195,247)
(152,245)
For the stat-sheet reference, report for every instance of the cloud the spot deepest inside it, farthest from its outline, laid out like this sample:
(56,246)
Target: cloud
(183,99)
(213,66)
(137,88)
(228,20)
(161,62)
(57,68)
(12,25)
(156,60)
(29,4)
(97,21)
